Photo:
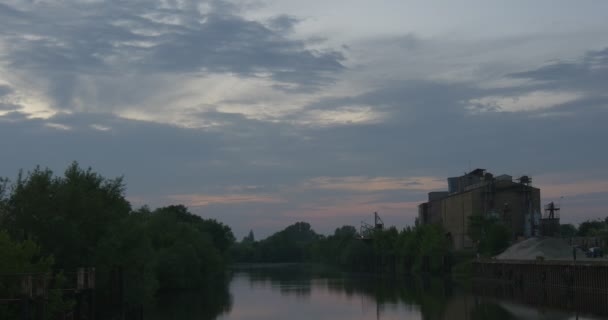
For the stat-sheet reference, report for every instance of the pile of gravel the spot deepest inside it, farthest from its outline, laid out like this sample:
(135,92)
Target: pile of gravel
(548,248)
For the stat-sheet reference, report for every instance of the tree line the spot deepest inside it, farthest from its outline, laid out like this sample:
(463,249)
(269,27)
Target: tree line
(418,248)
(589,228)
(50,223)
(414,248)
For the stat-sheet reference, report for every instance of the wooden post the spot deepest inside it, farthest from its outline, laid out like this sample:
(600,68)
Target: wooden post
(80,279)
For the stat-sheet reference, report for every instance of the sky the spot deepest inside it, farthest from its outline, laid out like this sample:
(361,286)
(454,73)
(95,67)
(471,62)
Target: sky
(262,113)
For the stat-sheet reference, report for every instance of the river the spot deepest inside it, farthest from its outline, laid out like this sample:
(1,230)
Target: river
(307,292)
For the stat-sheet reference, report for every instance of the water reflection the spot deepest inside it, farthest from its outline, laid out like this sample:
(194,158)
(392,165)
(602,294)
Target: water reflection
(205,304)
(298,292)
(305,292)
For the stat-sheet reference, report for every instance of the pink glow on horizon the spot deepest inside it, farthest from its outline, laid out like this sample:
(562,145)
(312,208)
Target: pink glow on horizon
(202,200)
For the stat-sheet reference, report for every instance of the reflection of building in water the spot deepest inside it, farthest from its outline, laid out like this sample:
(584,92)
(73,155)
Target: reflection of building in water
(515,203)
(525,301)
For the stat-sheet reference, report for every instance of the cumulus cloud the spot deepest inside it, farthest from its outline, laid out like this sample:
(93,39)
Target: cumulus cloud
(76,52)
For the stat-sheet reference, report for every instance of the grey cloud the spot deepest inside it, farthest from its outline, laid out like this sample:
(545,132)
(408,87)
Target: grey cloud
(159,159)
(71,42)
(230,43)
(9,106)
(13,116)
(283,23)
(5,90)
(429,130)
(589,73)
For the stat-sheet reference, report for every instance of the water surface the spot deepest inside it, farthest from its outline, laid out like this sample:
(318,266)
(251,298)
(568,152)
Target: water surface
(307,292)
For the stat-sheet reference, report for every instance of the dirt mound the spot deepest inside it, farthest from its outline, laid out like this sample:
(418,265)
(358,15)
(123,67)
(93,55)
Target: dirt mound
(548,248)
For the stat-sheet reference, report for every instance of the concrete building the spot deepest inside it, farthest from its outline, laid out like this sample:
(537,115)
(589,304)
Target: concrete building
(515,203)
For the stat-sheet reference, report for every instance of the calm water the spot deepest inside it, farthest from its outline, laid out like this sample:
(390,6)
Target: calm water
(304,292)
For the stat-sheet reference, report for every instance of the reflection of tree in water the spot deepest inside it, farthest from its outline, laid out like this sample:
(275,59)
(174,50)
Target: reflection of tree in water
(204,304)
(430,295)
(289,279)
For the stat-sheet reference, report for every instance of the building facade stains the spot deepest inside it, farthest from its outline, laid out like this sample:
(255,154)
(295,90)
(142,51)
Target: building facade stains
(513,202)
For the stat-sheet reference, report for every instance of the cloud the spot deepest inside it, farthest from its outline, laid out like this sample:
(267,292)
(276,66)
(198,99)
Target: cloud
(202,200)
(283,23)
(78,53)
(554,186)
(57,126)
(588,73)
(369,184)
(5,90)
(532,101)
(7,102)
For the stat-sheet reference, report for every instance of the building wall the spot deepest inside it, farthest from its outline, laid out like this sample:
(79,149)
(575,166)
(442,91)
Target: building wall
(434,212)
(514,196)
(457,208)
(481,194)
(455,213)
(423,215)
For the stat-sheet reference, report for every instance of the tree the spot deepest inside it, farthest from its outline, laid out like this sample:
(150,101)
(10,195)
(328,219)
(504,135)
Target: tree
(25,257)
(83,219)
(67,215)
(249,238)
(345,232)
(293,244)
(567,230)
(3,200)
(491,236)
(592,228)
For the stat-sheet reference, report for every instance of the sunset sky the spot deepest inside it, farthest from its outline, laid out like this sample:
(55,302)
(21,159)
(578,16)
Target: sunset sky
(263,113)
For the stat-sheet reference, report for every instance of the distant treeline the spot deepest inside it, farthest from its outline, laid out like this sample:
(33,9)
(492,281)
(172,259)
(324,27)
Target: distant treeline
(416,248)
(409,249)
(81,219)
(590,228)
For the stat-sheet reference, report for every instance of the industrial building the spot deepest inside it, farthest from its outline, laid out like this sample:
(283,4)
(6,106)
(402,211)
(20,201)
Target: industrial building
(514,203)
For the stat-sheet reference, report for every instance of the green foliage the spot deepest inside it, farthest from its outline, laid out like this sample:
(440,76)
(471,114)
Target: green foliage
(19,259)
(189,247)
(67,214)
(567,230)
(343,249)
(593,228)
(22,257)
(389,250)
(433,240)
(288,245)
(491,236)
(249,238)
(83,219)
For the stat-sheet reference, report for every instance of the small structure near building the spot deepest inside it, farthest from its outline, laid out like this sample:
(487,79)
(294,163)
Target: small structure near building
(549,224)
(366,231)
